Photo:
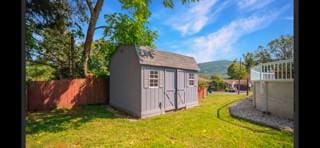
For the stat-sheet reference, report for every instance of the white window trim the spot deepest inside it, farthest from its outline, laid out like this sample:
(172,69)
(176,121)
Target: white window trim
(191,79)
(154,79)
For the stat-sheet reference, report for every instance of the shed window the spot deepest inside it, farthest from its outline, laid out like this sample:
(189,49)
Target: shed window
(153,78)
(191,79)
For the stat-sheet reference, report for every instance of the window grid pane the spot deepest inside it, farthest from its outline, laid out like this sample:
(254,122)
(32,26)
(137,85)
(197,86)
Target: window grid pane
(153,78)
(191,79)
(191,82)
(191,76)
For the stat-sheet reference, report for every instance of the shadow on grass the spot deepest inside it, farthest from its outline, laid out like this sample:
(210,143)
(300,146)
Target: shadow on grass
(239,119)
(61,119)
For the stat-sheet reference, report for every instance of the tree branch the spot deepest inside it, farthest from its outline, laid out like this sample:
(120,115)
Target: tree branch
(98,5)
(43,63)
(48,55)
(100,27)
(49,58)
(89,3)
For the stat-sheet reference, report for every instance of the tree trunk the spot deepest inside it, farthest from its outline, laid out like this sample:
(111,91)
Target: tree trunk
(60,77)
(71,56)
(90,32)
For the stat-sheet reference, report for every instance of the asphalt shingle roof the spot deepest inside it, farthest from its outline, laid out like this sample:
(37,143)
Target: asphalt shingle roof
(154,57)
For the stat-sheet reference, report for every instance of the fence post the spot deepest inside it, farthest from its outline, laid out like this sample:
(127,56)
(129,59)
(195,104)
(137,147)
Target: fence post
(285,70)
(291,65)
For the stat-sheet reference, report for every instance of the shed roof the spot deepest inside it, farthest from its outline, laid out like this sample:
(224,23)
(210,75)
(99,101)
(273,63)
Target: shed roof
(154,57)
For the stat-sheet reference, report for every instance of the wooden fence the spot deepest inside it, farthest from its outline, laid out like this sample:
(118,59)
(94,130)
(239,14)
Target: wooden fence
(202,92)
(46,95)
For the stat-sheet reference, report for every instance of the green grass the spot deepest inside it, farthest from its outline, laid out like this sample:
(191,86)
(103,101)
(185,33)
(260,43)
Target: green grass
(208,125)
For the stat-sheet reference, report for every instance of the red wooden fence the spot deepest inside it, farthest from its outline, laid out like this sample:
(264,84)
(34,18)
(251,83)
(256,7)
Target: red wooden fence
(202,92)
(46,95)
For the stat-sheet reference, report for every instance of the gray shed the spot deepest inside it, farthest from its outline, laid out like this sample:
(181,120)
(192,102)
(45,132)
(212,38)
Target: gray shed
(146,82)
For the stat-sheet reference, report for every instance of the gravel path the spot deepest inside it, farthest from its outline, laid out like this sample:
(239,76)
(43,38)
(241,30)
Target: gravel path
(244,109)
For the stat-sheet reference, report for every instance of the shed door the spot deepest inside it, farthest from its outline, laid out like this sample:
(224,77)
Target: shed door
(170,90)
(181,100)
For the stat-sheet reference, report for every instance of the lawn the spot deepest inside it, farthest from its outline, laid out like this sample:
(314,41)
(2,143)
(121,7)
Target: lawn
(208,125)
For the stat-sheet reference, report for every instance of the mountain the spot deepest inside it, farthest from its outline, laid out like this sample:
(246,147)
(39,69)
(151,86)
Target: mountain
(214,67)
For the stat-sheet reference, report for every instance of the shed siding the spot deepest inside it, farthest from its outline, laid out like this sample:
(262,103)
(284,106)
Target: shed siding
(151,98)
(130,90)
(125,80)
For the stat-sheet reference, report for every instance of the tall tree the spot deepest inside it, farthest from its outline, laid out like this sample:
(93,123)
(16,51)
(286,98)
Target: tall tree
(100,57)
(282,47)
(278,49)
(262,55)
(141,13)
(94,14)
(36,72)
(57,50)
(248,61)
(43,14)
(122,29)
(216,83)
(51,30)
(44,17)
(235,72)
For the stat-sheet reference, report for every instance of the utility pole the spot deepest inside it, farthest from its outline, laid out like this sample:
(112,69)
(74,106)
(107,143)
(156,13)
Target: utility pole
(239,78)
(248,86)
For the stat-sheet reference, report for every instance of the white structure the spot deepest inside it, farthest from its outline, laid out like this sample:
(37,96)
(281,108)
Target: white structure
(273,87)
(275,71)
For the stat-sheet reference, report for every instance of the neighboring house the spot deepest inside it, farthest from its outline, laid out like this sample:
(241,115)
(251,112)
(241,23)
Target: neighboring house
(204,79)
(146,82)
(233,84)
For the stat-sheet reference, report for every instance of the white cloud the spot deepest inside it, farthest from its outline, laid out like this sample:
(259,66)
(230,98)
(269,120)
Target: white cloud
(290,18)
(194,19)
(252,4)
(218,45)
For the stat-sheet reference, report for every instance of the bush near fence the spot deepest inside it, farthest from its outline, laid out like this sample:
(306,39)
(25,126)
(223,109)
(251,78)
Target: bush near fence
(69,93)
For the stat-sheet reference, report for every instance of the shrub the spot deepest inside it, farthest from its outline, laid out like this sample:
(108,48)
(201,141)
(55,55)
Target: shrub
(217,83)
(202,84)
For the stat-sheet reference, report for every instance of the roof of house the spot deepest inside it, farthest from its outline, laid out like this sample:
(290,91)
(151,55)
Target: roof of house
(242,82)
(154,57)
(204,79)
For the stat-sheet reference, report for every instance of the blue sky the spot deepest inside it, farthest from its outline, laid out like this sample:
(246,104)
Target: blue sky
(214,29)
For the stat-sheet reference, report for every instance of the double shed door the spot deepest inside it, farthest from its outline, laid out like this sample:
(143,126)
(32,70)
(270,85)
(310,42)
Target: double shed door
(174,89)
(181,89)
